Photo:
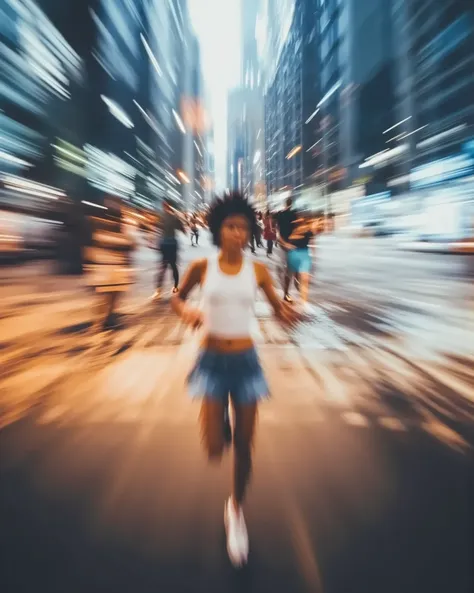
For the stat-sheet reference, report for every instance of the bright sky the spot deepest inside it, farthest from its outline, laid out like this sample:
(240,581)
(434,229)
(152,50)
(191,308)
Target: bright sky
(217,25)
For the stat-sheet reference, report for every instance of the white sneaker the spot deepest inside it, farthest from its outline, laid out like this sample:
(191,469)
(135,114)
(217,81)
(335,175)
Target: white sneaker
(237,536)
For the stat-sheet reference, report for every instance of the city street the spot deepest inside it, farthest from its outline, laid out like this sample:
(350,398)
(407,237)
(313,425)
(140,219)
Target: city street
(363,461)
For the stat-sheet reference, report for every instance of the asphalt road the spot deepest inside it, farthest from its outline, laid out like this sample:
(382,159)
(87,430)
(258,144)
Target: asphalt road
(363,461)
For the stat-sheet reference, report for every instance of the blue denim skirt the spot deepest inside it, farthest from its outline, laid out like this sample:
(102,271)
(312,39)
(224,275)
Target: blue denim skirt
(217,375)
(299,261)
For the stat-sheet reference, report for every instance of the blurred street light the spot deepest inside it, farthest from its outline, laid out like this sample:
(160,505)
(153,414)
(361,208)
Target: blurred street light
(182,175)
(294,151)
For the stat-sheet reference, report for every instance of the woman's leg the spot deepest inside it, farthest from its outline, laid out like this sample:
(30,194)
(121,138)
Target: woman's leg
(227,424)
(163,266)
(304,286)
(245,417)
(289,275)
(212,428)
(174,265)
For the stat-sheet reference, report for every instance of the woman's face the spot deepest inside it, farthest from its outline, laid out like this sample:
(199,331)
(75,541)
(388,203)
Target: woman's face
(235,233)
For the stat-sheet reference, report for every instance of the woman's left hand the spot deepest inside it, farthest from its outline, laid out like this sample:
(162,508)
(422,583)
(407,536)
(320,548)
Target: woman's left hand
(287,314)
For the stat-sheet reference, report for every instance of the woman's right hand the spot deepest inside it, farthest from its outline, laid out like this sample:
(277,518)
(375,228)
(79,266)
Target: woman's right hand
(192,317)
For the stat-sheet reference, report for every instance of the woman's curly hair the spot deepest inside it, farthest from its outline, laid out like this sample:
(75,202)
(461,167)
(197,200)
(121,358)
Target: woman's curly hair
(233,204)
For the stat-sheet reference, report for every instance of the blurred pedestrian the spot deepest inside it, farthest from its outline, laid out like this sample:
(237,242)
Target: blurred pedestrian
(109,259)
(269,233)
(299,256)
(256,237)
(170,224)
(286,221)
(228,363)
(194,231)
(259,230)
(72,236)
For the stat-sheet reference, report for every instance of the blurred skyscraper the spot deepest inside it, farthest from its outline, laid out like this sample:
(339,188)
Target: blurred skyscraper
(210,164)
(435,86)
(333,66)
(198,185)
(367,93)
(245,128)
(95,96)
(41,77)
(361,93)
(235,139)
(291,97)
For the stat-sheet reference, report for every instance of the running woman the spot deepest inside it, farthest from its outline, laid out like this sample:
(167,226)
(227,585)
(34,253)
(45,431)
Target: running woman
(228,363)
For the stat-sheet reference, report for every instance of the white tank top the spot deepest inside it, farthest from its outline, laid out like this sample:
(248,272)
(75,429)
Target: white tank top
(229,301)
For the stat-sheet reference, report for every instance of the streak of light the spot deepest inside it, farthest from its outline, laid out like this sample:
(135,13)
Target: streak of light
(95,205)
(294,151)
(153,60)
(330,93)
(70,154)
(314,145)
(182,175)
(17,183)
(310,118)
(9,158)
(30,192)
(117,112)
(414,132)
(397,124)
(179,121)
(395,137)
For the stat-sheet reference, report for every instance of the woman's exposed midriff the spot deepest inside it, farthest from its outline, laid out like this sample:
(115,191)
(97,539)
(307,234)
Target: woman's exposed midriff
(227,345)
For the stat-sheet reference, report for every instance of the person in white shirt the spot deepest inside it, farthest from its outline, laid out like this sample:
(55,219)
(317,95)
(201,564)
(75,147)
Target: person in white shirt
(228,363)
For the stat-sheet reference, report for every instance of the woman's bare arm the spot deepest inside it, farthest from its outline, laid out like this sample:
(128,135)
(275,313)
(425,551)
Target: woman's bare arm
(283,310)
(192,278)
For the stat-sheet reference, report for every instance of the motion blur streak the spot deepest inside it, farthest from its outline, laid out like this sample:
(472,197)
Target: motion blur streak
(349,125)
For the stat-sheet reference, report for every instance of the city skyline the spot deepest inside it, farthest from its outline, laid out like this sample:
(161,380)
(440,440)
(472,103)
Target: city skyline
(221,59)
